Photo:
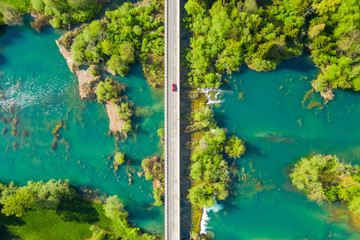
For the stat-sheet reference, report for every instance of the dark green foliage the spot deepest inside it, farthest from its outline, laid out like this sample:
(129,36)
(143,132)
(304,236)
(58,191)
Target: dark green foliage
(326,178)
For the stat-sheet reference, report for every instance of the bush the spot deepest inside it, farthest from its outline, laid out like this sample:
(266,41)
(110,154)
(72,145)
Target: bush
(109,90)
(235,147)
(119,158)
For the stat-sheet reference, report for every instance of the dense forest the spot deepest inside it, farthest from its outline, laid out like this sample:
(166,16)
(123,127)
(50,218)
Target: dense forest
(59,13)
(326,178)
(130,33)
(263,33)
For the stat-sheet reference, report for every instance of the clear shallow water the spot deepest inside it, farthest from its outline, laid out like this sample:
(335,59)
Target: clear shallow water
(37,83)
(278,131)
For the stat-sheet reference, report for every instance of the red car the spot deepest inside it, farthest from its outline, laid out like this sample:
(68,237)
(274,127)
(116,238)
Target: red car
(174,87)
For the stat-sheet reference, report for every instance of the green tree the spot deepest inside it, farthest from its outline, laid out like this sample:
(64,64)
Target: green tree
(127,52)
(109,90)
(119,158)
(234,147)
(18,203)
(125,111)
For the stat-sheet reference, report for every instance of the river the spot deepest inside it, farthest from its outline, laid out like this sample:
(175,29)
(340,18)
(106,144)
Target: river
(266,110)
(39,90)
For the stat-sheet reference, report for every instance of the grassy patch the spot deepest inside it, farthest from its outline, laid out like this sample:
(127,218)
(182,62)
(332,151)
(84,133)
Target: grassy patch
(71,220)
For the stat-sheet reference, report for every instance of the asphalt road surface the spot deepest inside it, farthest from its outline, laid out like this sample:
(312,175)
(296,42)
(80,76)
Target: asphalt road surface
(172,120)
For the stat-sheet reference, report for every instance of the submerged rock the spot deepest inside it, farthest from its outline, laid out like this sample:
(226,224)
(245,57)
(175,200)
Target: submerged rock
(15,145)
(57,128)
(53,145)
(14,122)
(25,133)
(14,132)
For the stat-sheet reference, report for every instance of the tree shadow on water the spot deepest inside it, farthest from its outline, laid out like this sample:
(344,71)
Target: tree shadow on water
(77,209)
(298,64)
(252,150)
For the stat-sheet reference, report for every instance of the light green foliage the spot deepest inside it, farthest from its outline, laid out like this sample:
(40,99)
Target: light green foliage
(202,118)
(17,200)
(227,34)
(235,147)
(306,174)
(148,175)
(119,158)
(118,66)
(326,178)
(209,171)
(49,194)
(335,44)
(154,170)
(126,127)
(114,210)
(161,132)
(110,90)
(125,111)
(18,203)
(63,13)
(124,35)
(127,52)
(202,195)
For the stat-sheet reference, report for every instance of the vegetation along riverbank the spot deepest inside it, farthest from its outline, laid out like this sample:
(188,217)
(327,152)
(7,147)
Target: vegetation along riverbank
(228,34)
(55,210)
(134,32)
(326,178)
(60,14)
(261,34)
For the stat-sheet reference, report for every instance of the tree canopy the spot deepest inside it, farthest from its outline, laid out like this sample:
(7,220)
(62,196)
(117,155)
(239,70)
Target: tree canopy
(325,177)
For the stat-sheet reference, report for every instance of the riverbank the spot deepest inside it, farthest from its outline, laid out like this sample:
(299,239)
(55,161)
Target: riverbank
(63,213)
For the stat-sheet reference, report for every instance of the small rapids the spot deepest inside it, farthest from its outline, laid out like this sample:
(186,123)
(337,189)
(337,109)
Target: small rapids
(213,94)
(205,216)
(28,93)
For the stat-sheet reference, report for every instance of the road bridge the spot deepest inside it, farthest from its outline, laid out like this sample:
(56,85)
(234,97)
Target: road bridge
(172,120)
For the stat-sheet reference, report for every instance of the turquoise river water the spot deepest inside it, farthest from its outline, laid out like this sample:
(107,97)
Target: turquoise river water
(278,131)
(39,90)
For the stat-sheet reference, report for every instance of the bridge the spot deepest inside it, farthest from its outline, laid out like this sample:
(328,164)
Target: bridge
(172,120)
